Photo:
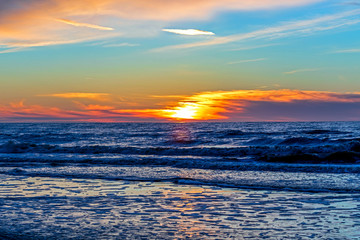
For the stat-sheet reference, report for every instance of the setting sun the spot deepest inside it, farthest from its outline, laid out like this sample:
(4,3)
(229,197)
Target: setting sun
(184,111)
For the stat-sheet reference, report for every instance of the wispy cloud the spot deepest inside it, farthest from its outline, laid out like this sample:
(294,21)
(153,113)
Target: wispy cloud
(74,95)
(94,107)
(189,32)
(12,50)
(302,70)
(88,25)
(22,45)
(122,45)
(351,3)
(247,61)
(354,50)
(304,27)
(32,112)
(253,47)
(168,96)
(31,23)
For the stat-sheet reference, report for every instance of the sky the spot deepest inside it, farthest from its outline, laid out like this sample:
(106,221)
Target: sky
(179,60)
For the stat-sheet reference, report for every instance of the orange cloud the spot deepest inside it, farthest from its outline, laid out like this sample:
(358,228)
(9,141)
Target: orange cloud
(93,96)
(95,107)
(212,105)
(217,105)
(19,111)
(78,24)
(22,111)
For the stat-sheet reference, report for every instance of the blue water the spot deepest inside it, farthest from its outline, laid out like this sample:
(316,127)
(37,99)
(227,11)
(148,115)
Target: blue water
(302,156)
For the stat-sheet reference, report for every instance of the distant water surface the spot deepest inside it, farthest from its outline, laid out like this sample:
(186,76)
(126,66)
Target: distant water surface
(302,156)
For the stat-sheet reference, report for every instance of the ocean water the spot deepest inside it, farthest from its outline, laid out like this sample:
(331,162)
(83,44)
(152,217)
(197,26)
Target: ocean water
(300,156)
(180,181)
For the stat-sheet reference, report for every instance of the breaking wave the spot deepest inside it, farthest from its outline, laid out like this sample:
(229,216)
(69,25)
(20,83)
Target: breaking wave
(241,148)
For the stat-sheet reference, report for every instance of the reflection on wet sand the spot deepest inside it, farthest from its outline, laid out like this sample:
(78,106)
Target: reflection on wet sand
(58,208)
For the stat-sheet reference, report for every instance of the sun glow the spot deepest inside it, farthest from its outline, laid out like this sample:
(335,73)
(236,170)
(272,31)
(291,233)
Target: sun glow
(193,109)
(184,111)
(215,105)
(203,106)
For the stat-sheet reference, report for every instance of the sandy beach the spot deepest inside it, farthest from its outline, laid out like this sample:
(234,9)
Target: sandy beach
(65,208)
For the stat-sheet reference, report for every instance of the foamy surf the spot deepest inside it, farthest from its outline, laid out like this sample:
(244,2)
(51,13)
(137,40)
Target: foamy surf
(167,181)
(183,151)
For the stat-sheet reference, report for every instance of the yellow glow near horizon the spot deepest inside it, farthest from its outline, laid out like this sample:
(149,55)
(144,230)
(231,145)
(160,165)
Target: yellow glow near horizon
(214,105)
(185,111)
(201,106)
(203,109)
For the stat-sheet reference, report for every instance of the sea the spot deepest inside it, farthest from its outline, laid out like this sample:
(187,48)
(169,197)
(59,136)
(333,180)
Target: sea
(261,158)
(319,156)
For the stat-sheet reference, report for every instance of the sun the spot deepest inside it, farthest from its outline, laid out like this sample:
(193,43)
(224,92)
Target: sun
(186,111)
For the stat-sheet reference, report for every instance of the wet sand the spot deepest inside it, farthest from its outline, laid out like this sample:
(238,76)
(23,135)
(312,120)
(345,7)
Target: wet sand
(64,208)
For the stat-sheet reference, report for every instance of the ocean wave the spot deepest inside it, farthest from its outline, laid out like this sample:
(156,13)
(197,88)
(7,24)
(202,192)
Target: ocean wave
(291,147)
(301,141)
(323,131)
(332,163)
(23,147)
(287,181)
(343,157)
(223,148)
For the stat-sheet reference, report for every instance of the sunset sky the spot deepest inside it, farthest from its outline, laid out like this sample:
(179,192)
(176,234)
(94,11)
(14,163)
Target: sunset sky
(179,60)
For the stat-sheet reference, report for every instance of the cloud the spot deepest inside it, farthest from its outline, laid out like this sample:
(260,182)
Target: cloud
(354,50)
(11,50)
(236,105)
(190,32)
(302,70)
(352,3)
(298,111)
(19,110)
(46,22)
(248,60)
(74,95)
(78,24)
(22,112)
(96,107)
(302,27)
(122,45)
(221,104)
(253,47)
(22,45)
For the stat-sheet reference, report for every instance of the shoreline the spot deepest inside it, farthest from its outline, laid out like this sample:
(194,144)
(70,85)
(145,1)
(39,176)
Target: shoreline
(257,180)
(64,208)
